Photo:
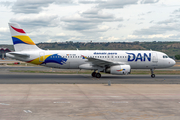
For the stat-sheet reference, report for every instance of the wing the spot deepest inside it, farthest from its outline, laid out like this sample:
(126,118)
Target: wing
(102,63)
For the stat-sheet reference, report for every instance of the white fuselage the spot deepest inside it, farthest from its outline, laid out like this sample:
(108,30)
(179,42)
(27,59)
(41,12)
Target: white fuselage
(136,59)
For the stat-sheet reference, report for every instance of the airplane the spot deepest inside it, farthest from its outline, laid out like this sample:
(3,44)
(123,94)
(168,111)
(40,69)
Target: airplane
(116,62)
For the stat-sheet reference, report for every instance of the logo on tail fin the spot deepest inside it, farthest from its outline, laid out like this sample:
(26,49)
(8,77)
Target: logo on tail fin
(18,30)
(23,40)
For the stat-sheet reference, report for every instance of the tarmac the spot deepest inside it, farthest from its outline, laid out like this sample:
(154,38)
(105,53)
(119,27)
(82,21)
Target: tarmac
(33,96)
(44,78)
(89,102)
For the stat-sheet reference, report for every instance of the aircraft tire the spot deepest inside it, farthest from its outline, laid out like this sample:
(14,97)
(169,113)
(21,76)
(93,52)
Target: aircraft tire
(93,74)
(153,75)
(98,75)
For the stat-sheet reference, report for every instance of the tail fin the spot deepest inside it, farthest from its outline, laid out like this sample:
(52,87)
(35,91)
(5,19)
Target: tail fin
(21,41)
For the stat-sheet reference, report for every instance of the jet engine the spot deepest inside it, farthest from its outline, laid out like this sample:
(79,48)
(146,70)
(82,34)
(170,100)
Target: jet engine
(119,70)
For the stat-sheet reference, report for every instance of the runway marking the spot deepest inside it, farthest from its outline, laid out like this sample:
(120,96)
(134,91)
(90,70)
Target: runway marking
(120,102)
(61,102)
(27,111)
(4,104)
(105,96)
(115,96)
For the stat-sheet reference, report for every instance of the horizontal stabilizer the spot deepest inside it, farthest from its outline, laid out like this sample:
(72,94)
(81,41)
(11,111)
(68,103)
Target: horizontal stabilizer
(22,55)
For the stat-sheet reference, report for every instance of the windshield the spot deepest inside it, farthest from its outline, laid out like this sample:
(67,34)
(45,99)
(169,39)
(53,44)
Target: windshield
(165,56)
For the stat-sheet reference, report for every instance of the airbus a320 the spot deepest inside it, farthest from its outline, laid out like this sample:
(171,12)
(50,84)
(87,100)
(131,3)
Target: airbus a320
(116,62)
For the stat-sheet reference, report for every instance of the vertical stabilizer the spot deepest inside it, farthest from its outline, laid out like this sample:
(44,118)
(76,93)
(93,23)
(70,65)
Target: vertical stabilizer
(21,41)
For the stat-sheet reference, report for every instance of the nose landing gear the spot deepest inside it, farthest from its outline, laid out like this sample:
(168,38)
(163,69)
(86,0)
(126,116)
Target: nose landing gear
(152,73)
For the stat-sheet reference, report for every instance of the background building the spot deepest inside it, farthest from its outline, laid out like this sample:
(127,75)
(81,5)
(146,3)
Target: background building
(3,52)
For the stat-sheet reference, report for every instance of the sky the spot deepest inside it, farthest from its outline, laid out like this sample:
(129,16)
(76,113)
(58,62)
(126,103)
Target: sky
(92,20)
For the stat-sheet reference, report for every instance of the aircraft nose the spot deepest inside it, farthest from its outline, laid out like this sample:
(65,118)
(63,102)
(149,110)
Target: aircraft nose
(173,62)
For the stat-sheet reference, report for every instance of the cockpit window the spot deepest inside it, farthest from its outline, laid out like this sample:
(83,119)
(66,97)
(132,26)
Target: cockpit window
(165,56)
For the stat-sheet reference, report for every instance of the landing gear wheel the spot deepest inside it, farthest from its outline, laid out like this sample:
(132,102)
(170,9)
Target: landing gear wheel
(98,75)
(153,75)
(93,74)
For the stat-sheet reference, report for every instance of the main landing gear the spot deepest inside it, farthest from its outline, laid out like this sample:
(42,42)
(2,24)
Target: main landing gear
(152,73)
(97,75)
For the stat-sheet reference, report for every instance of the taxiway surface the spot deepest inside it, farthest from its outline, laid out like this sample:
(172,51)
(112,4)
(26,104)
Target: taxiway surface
(40,96)
(89,102)
(34,78)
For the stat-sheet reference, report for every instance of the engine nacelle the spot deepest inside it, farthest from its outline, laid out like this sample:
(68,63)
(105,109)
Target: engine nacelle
(120,69)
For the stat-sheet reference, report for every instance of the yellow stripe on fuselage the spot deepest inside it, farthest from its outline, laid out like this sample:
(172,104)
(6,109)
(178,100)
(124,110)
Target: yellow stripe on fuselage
(37,60)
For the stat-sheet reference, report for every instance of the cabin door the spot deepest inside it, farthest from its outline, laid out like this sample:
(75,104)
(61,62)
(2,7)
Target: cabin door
(154,57)
(41,56)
